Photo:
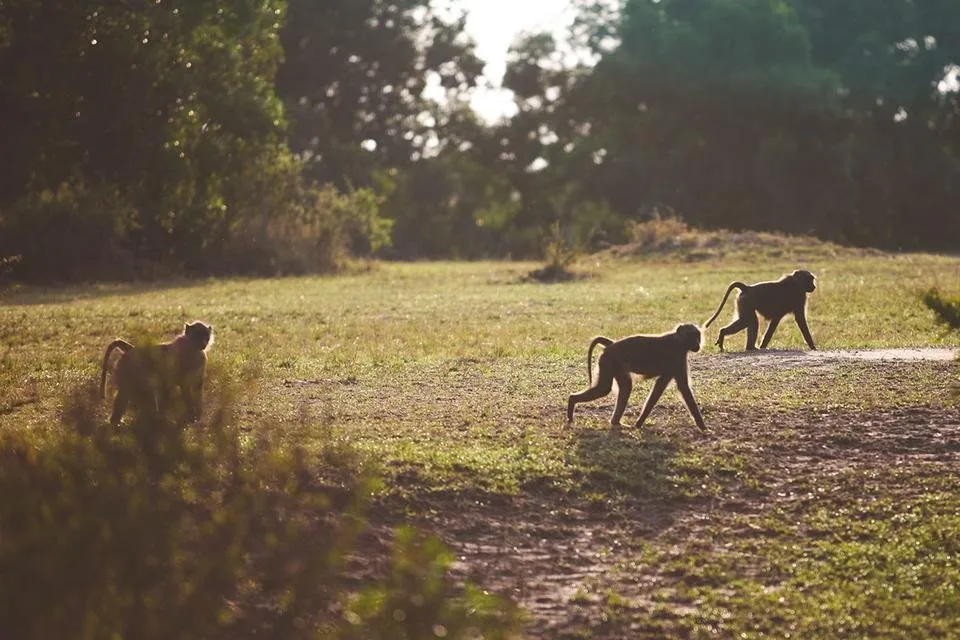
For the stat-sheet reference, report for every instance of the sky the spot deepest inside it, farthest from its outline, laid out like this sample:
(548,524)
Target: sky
(495,24)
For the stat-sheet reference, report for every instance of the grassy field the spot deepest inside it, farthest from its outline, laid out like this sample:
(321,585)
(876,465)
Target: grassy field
(824,502)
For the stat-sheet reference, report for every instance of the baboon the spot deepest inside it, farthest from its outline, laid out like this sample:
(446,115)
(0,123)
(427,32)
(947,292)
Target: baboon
(663,357)
(772,300)
(150,375)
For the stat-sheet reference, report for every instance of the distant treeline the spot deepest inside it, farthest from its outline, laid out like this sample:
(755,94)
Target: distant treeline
(278,136)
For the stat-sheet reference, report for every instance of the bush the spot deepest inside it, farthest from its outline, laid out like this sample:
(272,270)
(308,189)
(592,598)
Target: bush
(315,234)
(209,531)
(75,232)
(275,223)
(265,220)
(419,601)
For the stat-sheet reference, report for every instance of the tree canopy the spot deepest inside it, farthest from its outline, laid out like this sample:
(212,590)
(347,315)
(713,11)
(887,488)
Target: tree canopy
(203,135)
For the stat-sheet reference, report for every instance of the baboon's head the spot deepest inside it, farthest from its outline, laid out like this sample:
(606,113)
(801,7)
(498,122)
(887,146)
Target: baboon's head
(690,336)
(805,280)
(199,334)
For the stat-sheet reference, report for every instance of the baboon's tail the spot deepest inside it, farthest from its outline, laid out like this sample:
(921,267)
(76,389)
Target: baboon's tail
(606,342)
(733,285)
(116,344)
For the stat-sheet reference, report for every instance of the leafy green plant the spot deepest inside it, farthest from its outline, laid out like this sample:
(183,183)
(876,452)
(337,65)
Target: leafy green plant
(418,600)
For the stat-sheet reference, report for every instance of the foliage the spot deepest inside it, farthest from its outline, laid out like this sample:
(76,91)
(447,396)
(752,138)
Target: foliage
(312,229)
(468,209)
(354,73)
(150,138)
(419,601)
(156,531)
(159,101)
(801,116)
(746,53)
(73,228)
(176,133)
(657,230)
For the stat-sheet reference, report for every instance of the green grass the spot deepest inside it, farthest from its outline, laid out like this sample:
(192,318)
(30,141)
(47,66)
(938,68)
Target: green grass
(453,377)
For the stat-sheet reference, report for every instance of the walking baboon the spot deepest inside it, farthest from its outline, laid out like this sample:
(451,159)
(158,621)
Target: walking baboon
(150,375)
(663,357)
(772,300)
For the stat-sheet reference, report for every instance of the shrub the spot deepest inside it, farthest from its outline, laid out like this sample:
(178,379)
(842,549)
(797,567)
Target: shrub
(265,221)
(295,228)
(210,531)
(418,600)
(74,232)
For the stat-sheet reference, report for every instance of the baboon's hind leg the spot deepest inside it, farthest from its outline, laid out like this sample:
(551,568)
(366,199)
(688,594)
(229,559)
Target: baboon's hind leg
(625,384)
(119,407)
(602,387)
(736,326)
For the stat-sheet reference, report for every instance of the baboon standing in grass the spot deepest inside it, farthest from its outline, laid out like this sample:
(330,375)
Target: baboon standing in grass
(149,376)
(663,357)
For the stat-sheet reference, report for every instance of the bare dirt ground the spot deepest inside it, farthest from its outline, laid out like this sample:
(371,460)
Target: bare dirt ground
(558,554)
(789,359)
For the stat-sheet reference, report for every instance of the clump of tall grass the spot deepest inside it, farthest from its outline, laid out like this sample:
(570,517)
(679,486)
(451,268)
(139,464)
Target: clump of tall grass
(559,253)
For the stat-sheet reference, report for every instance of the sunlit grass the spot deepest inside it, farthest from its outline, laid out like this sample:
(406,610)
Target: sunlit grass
(405,357)
(454,376)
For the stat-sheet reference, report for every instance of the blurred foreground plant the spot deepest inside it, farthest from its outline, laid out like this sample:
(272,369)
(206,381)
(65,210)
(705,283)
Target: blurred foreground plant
(212,531)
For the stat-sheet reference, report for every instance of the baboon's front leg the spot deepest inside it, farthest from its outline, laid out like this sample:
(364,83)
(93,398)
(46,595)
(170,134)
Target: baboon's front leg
(769,332)
(652,399)
(119,407)
(801,318)
(683,384)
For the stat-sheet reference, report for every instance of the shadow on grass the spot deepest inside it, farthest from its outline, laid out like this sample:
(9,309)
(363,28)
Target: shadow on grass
(30,295)
(620,463)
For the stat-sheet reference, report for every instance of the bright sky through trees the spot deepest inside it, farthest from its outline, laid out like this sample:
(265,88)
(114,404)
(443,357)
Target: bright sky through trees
(495,24)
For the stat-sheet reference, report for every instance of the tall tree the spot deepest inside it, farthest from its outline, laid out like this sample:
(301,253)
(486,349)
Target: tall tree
(800,115)
(354,77)
(163,104)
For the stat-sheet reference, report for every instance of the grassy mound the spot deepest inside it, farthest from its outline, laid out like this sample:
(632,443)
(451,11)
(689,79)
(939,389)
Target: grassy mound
(673,238)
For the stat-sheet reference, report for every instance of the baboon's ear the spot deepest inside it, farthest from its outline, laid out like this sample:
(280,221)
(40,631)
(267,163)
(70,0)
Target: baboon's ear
(186,325)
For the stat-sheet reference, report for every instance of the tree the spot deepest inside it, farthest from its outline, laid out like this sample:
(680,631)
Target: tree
(353,80)
(797,115)
(154,108)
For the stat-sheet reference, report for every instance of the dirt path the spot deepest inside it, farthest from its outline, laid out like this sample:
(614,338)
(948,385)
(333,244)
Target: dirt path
(788,359)
(558,554)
